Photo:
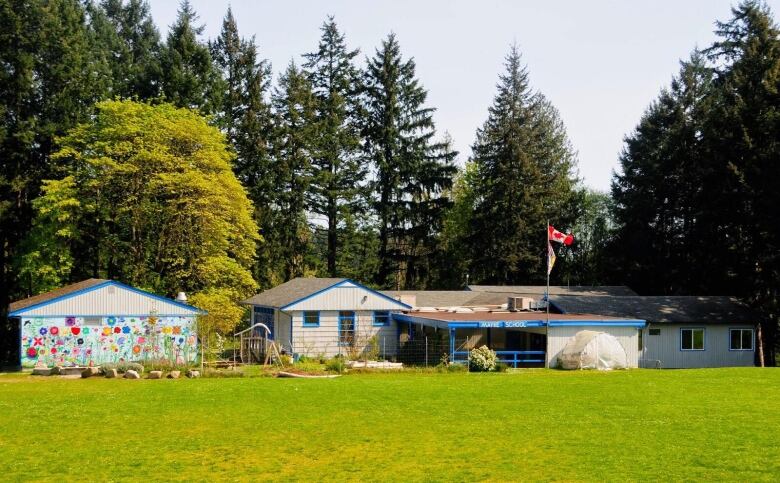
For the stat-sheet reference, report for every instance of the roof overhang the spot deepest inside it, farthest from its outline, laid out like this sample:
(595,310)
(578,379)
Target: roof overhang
(441,321)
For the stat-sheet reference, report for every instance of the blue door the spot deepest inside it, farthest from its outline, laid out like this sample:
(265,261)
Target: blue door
(264,315)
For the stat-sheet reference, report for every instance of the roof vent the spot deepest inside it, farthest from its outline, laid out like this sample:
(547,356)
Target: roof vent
(181,297)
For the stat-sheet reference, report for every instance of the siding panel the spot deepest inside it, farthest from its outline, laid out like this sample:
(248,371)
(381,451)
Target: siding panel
(665,348)
(107,301)
(346,298)
(323,340)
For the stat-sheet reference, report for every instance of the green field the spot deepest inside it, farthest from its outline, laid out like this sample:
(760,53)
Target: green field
(535,424)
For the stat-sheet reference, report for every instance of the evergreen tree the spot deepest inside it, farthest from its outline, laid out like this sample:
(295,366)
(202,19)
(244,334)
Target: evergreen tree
(659,198)
(127,42)
(338,173)
(46,87)
(189,78)
(412,169)
(294,143)
(246,119)
(524,177)
(744,130)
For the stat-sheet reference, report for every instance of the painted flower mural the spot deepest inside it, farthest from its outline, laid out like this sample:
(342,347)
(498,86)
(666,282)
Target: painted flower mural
(67,341)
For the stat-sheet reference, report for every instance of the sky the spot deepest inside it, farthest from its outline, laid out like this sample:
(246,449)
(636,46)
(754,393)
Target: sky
(599,62)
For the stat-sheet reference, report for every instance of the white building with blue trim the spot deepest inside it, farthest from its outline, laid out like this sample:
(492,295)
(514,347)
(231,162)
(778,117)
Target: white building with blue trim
(99,321)
(320,317)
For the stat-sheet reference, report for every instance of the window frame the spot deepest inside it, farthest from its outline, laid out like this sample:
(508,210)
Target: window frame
(752,339)
(310,324)
(344,342)
(386,313)
(703,339)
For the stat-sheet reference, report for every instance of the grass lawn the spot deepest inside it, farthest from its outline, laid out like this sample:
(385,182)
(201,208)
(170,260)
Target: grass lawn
(536,424)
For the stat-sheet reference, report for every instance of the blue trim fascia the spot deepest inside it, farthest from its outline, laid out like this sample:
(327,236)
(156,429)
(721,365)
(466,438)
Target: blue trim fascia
(752,339)
(18,313)
(519,324)
(337,285)
(310,325)
(704,339)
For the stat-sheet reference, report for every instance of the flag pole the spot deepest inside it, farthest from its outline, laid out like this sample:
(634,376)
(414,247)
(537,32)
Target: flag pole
(547,296)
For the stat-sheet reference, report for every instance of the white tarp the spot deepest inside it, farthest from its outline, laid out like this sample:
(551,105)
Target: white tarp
(589,349)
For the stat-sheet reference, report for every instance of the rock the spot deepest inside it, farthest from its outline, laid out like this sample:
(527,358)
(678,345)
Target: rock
(56,371)
(155,374)
(174,375)
(193,374)
(89,372)
(72,371)
(131,374)
(111,373)
(41,371)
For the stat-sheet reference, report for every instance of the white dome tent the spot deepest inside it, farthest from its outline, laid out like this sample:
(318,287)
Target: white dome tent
(589,349)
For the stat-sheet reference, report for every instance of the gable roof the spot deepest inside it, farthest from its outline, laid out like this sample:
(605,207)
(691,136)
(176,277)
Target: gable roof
(595,290)
(36,303)
(291,291)
(661,309)
(55,294)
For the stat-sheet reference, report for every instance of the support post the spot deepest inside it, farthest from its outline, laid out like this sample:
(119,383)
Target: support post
(452,344)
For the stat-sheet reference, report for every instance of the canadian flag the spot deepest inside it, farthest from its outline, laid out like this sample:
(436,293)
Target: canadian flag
(556,236)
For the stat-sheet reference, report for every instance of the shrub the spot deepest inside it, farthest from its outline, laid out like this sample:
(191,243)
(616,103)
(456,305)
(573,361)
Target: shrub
(482,359)
(285,360)
(501,367)
(135,366)
(457,368)
(336,365)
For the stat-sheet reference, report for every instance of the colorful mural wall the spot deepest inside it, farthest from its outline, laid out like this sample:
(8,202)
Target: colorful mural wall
(68,341)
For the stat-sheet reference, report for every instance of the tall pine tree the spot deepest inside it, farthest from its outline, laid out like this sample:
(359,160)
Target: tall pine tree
(338,172)
(245,117)
(294,145)
(189,78)
(412,168)
(525,177)
(126,40)
(46,87)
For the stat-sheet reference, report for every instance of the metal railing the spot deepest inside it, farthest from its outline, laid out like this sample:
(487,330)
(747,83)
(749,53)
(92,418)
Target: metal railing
(512,358)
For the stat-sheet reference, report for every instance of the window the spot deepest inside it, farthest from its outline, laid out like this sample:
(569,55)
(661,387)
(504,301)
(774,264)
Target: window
(740,339)
(692,339)
(381,318)
(655,331)
(347,328)
(93,321)
(311,319)
(640,340)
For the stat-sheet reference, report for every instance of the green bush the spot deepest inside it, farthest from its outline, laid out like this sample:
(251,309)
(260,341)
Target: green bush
(336,365)
(501,367)
(482,359)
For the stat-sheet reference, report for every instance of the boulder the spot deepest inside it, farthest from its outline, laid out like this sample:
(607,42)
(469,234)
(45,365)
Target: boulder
(131,374)
(89,372)
(193,374)
(41,371)
(174,375)
(155,374)
(111,373)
